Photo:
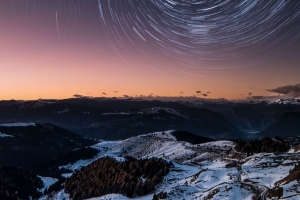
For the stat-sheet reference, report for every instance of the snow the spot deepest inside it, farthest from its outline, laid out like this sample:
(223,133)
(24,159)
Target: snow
(17,124)
(291,150)
(229,191)
(47,182)
(67,175)
(77,165)
(61,195)
(155,110)
(121,197)
(291,188)
(218,144)
(2,135)
(106,149)
(266,169)
(200,171)
(117,113)
(120,159)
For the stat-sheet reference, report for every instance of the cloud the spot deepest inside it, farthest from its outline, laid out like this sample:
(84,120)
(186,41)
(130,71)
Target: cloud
(125,96)
(241,94)
(104,93)
(181,92)
(198,92)
(264,98)
(288,90)
(116,91)
(249,93)
(78,96)
(208,92)
(257,98)
(205,95)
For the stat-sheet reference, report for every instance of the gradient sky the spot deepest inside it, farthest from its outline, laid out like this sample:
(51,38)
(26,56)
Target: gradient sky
(58,48)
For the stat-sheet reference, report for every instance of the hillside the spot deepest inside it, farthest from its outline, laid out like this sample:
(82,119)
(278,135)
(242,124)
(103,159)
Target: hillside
(130,177)
(50,166)
(27,144)
(18,183)
(211,170)
(113,119)
(286,125)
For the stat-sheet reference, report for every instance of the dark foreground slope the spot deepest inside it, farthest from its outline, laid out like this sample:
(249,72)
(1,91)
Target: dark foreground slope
(31,144)
(18,183)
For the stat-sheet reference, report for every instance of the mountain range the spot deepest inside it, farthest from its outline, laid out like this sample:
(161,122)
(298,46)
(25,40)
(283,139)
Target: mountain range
(114,119)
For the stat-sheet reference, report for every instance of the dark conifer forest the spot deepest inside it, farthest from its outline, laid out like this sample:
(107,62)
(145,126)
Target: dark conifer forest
(131,178)
(267,145)
(18,183)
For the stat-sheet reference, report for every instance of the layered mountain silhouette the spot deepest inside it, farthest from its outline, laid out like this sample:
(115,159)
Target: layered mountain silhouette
(25,145)
(114,119)
(286,125)
(119,119)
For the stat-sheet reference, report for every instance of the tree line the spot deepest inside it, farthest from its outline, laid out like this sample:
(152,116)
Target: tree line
(131,177)
(266,144)
(18,183)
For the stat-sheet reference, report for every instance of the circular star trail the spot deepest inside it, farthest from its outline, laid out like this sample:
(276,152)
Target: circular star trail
(203,33)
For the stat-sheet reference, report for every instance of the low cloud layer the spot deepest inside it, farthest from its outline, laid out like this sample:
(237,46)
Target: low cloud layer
(288,90)
(78,96)
(269,98)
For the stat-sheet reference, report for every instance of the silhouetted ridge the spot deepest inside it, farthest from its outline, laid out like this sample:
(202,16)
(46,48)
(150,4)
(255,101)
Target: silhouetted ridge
(287,124)
(190,137)
(50,166)
(32,144)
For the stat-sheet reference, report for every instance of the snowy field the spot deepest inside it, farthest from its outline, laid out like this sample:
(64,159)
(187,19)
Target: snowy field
(200,171)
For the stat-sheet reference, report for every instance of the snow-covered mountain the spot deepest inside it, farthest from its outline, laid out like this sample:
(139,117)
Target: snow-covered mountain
(212,170)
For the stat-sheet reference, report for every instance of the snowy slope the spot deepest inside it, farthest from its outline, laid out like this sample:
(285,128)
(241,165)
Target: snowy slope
(17,124)
(201,171)
(2,135)
(47,181)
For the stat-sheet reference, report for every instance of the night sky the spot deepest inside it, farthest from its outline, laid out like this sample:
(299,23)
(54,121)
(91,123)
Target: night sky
(233,49)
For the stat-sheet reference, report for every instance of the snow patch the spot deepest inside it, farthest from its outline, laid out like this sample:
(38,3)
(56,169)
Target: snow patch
(47,182)
(17,124)
(2,135)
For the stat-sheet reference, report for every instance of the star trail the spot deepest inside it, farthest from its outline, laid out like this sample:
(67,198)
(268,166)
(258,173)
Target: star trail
(203,33)
(138,46)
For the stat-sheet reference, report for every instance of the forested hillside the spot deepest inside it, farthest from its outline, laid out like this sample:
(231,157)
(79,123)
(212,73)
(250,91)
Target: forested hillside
(267,145)
(131,177)
(18,183)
